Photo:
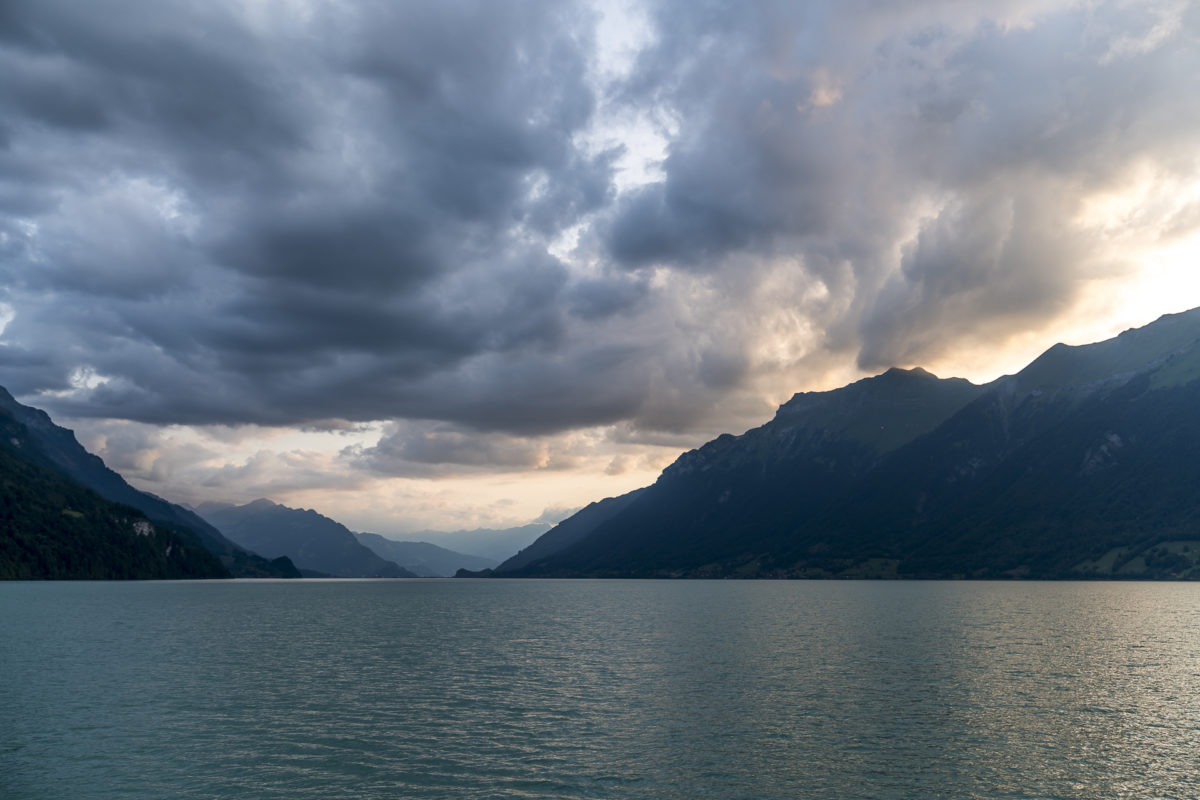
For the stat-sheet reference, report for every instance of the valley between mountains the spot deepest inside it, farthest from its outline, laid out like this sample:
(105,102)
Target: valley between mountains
(1082,465)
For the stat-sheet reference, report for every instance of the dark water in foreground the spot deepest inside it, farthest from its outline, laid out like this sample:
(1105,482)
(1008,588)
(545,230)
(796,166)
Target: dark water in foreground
(473,689)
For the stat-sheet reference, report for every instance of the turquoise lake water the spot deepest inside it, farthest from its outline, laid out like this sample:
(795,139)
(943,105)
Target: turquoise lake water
(599,689)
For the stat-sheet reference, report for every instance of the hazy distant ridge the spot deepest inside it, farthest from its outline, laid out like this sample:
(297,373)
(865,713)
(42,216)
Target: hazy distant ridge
(314,543)
(425,559)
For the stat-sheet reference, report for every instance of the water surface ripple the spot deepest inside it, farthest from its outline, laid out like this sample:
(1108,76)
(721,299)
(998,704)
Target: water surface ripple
(594,689)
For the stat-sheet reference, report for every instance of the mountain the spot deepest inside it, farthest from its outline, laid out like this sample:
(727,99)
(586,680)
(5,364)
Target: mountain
(1084,464)
(54,528)
(62,453)
(316,544)
(425,559)
(571,530)
(493,544)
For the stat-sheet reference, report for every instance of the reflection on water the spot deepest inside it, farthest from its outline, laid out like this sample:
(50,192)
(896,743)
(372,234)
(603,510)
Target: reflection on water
(453,689)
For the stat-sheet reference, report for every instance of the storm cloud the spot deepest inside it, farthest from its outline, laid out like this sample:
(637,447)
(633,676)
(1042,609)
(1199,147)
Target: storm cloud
(423,214)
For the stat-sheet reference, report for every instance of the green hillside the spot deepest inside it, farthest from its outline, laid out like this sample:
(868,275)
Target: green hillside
(52,528)
(56,449)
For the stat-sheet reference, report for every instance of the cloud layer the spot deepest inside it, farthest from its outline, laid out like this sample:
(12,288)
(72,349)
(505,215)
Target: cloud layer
(428,214)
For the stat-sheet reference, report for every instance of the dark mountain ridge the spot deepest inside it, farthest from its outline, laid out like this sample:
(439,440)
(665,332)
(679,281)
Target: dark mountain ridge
(54,528)
(495,544)
(316,544)
(722,502)
(571,530)
(63,454)
(1081,465)
(422,558)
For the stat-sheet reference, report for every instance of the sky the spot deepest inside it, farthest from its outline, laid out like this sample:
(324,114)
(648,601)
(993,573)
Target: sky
(457,264)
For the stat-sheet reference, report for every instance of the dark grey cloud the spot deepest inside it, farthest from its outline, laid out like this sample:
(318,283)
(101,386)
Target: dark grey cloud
(306,215)
(602,297)
(424,450)
(306,224)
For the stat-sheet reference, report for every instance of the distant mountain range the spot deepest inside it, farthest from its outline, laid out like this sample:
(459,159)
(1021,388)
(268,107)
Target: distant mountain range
(316,544)
(425,559)
(1084,464)
(70,516)
(571,530)
(493,544)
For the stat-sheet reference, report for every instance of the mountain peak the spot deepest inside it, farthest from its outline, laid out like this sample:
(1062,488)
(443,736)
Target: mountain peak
(915,372)
(312,541)
(883,411)
(261,504)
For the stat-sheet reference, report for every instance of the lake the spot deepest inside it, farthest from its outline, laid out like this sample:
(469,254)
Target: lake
(599,689)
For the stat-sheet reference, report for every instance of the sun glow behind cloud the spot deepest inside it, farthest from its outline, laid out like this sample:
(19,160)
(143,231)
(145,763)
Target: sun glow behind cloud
(313,469)
(1146,239)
